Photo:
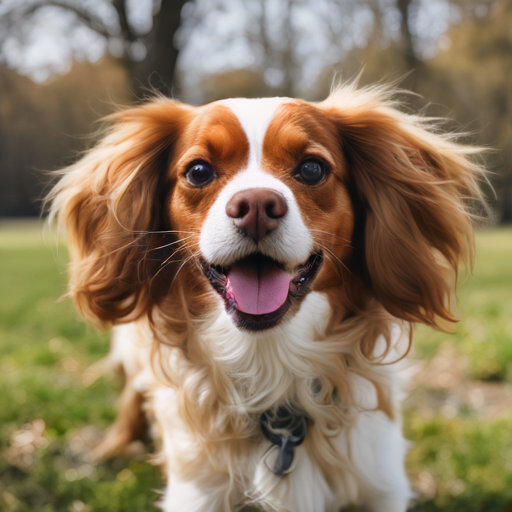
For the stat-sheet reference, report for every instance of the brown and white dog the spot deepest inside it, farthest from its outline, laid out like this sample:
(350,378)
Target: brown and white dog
(262,261)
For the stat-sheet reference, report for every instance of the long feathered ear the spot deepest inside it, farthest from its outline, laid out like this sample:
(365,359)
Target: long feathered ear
(418,189)
(110,204)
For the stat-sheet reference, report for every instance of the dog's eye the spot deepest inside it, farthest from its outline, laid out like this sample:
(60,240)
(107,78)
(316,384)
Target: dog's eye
(200,174)
(311,172)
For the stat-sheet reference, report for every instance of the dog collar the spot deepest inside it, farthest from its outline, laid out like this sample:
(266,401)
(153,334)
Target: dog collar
(286,429)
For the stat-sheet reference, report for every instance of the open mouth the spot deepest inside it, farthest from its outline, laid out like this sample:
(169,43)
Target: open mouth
(258,291)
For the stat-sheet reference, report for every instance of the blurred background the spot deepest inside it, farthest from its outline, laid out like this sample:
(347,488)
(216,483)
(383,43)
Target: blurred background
(66,63)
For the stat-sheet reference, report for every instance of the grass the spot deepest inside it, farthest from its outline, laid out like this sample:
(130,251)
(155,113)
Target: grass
(459,414)
(485,308)
(47,410)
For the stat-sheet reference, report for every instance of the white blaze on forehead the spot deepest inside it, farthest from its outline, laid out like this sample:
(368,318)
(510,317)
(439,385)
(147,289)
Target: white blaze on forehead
(255,116)
(221,243)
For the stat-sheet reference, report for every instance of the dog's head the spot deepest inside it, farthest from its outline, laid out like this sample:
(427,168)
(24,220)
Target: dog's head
(263,201)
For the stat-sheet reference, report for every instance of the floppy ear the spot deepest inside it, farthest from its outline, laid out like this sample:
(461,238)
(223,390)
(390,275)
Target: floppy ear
(415,187)
(110,203)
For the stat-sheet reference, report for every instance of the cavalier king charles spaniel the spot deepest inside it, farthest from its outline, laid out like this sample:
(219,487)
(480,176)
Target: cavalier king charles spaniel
(262,262)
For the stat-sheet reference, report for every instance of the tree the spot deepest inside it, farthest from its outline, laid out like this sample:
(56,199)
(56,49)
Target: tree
(148,55)
(44,126)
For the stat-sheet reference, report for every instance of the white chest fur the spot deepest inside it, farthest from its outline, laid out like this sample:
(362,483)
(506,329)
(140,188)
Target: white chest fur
(362,463)
(266,367)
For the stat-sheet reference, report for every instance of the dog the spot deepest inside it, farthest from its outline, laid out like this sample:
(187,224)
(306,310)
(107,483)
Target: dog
(262,262)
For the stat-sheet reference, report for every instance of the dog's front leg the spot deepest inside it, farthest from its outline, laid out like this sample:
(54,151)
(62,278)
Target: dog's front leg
(193,484)
(389,503)
(376,450)
(196,495)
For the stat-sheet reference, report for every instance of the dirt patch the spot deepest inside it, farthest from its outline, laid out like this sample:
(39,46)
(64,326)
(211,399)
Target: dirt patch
(442,385)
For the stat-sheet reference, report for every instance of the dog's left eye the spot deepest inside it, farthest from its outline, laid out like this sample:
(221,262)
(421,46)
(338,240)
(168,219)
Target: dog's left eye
(200,174)
(311,171)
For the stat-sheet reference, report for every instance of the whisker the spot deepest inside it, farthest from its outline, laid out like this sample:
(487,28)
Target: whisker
(117,249)
(168,260)
(183,264)
(185,246)
(147,251)
(136,241)
(144,258)
(164,232)
(169,244)
(332,234)
(333,256)
(144,232)
(338,246)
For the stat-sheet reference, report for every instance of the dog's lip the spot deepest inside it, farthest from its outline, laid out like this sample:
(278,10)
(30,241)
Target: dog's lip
(295,270)
(301,279)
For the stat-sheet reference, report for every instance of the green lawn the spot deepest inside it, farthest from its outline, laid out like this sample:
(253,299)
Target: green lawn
(459,414)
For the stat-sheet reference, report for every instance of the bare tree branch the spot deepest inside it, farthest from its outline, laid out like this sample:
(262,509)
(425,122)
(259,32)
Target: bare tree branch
(126,30)
(85,17)
(411,58)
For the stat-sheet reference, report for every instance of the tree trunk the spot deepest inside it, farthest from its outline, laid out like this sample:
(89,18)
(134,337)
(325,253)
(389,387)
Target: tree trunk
(412,63)
(288,56)
(410,57)
(157,70)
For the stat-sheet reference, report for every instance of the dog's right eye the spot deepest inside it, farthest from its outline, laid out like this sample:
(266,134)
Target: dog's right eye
(311,171)
(200,174)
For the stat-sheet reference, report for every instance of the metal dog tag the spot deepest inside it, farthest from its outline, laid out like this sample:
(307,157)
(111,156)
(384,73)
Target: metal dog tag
(285,429)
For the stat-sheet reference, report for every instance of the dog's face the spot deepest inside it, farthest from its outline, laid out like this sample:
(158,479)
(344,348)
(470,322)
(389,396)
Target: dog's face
(251,204)
(260,187)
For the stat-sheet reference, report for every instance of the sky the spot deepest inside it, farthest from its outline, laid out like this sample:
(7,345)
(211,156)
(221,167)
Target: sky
(216,34)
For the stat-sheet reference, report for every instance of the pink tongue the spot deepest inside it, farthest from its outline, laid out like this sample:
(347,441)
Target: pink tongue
(258,289)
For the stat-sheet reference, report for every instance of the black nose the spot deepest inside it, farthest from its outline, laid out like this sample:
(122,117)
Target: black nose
(257,211)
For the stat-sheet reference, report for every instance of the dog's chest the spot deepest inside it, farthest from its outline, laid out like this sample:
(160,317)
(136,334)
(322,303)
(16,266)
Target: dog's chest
(263,370)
